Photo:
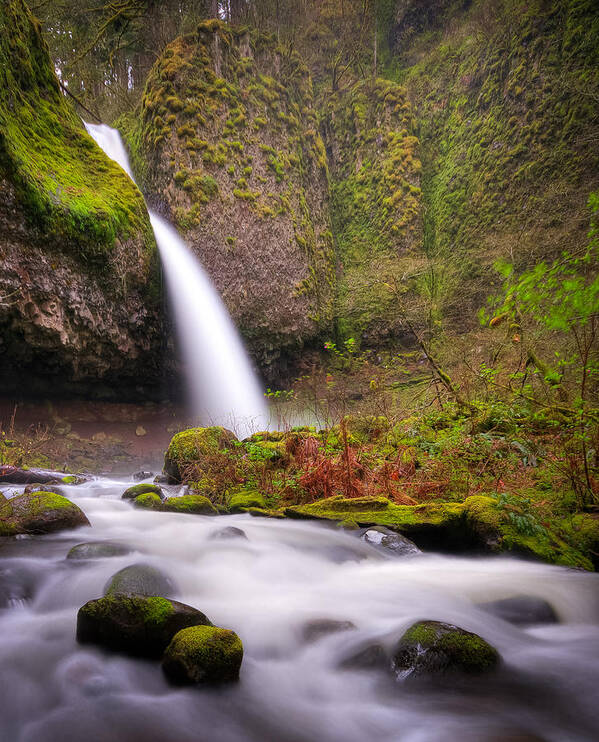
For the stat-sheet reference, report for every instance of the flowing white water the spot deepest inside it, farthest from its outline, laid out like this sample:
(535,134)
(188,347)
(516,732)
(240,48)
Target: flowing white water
(223,387)
(291,690)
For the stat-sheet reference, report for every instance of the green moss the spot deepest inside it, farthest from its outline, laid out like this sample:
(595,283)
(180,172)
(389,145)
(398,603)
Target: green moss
(66,185)
(244,498)
(189,504)
(465,651)
(149,501)
(140,489)
(204,654)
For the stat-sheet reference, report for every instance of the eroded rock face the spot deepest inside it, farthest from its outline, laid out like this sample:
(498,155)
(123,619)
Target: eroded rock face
(227,146)
(79,286)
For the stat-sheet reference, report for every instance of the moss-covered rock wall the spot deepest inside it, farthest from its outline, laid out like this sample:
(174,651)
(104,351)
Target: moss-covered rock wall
(505,93)
(227,145)
(375,205)
(79,283)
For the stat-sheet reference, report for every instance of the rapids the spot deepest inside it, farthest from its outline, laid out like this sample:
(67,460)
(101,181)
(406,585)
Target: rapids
(266,588)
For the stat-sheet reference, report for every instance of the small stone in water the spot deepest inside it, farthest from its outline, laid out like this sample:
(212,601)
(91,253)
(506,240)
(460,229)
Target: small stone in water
(228,532)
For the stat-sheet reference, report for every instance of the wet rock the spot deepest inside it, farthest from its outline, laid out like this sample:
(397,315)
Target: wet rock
(14,475)
(203,654)
(139,475)
(140,579)
(197,504)
(135,625)
(227,533)
(98,550)
(434,648)
(161,479)
(369,657)
(140,431)
(38,513)
(319,627)
(141,489)
(389,541)
(522,610)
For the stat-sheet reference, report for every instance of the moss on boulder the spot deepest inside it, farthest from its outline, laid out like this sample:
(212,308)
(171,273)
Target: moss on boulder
(149,501)
(141,489)
(203,654)
(196,447)
(135,625)
(434,648)
(197,504)
(38,513)
(244,498)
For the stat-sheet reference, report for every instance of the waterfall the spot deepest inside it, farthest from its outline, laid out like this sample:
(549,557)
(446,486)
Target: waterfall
(223,387)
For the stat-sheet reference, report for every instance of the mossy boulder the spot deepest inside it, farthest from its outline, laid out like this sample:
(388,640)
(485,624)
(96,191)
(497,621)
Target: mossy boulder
(140,579)
(135,625)
(98,550)
(196,448)
(149,501)
(141,489)
(243,499)
(197,504)
(435,648)
(38,513)
(203,654)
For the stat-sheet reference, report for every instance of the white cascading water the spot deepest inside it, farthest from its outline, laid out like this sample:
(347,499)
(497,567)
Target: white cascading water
(223,387)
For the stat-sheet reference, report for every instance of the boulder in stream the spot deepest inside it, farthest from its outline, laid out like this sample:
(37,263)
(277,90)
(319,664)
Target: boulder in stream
(389,541)
(317,628)
(136,625)
(38,513)
(197,504)
(522,610)
(435,648)
(227,533)
(140,579)
(141,489)
(203,654)
(98,550)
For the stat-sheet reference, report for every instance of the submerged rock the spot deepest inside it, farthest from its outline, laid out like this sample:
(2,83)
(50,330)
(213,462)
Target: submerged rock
(135,625)
(369,657)
(389,541)
(203,654)
(141,489)
(434,648)
(319,627)
(98,550)
(227,533)
(522,610)
(140,579)
(38,513)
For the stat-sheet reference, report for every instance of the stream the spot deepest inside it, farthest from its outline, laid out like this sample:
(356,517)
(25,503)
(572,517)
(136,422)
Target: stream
(266,588)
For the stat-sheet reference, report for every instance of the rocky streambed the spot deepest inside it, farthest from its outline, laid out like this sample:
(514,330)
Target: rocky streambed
(346,635)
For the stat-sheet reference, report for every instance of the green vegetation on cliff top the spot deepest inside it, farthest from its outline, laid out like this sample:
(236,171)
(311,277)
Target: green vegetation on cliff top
(68,188)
